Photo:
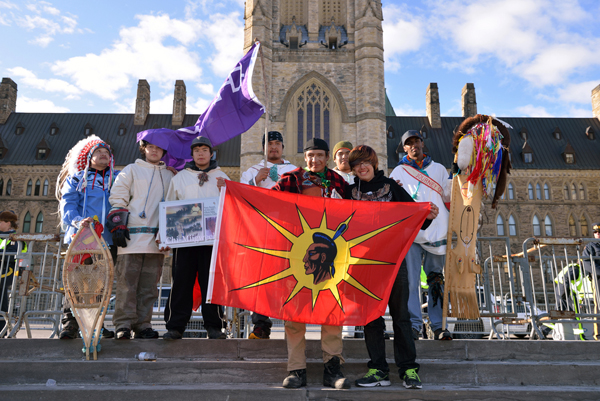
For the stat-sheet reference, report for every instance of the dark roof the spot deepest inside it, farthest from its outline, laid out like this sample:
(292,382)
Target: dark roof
(547,151)
(22,148)
(389,109)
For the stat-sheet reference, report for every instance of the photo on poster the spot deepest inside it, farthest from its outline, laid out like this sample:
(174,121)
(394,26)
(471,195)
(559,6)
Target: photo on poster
(188,223)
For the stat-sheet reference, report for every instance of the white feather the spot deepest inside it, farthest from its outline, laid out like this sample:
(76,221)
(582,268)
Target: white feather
(465,150)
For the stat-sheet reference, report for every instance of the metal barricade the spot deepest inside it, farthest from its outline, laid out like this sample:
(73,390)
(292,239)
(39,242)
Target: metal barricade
(563,296)
(35,295)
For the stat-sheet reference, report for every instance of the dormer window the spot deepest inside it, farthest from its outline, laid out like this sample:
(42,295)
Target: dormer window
(3,150)
(122,129)
(557,134)
(53,129)
(524,134)
(88,129)
(390,132)
(424,132)
(42,154)
(42,150)
(527,153)
(569,154)
(589,132)
(19,129)
(155,126)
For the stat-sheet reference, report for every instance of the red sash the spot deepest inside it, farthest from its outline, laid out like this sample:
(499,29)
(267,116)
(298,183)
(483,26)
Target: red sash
(425,180)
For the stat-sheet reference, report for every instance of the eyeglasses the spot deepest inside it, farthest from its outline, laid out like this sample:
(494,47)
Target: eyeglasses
(362,164)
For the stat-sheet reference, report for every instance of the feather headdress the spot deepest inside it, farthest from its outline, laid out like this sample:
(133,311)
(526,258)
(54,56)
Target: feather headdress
(78,159)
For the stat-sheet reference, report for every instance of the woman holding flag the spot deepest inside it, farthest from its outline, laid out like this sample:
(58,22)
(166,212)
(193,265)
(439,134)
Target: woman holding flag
(370,184)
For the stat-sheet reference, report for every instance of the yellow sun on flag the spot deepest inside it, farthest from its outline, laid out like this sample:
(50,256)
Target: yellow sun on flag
(309,267)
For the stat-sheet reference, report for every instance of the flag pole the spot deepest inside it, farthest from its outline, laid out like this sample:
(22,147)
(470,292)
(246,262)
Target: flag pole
(262,65)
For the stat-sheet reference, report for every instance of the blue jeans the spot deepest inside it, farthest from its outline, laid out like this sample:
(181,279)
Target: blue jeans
(431,263)
(405,352)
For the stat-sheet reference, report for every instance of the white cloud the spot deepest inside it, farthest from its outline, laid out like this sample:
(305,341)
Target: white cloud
(408,110)
(533,111)
(47,19)
(139,53)
(163,105)
(29,105)
(226,33)
(402,33)
(9,5)
(28,78)
(539,40)
(197,106)
(579,112)
(578,93)
(206,89)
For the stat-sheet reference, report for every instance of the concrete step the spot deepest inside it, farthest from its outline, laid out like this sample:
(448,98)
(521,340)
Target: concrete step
(514,373)
(219,392)
(241,349)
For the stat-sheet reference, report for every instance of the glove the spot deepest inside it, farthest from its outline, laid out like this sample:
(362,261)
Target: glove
(117,219)
(119,235)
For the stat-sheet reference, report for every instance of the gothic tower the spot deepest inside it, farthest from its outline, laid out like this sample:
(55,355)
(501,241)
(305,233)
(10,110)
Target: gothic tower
(323,67)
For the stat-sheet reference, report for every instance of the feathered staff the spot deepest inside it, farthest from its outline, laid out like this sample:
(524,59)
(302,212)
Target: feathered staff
(481,163)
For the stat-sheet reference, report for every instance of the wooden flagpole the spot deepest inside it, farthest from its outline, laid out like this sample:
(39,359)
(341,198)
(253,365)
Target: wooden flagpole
(266,104)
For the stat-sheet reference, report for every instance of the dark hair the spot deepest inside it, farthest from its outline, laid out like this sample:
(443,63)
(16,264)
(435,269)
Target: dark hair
(14,225)
(363,153)
(143,145)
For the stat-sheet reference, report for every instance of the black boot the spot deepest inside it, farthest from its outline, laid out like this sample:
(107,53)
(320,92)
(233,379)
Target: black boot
(333,376)
(295,379)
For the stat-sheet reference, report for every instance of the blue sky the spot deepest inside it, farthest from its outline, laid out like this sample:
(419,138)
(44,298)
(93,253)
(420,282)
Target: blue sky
(535,58)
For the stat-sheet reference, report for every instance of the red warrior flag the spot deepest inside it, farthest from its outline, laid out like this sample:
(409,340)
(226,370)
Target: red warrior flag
(305,259)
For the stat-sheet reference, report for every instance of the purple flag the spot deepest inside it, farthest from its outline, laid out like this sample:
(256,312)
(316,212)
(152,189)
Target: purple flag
(232,112)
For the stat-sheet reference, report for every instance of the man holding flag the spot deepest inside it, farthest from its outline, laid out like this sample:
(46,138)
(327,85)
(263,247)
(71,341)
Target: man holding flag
(314,180)
(266,176)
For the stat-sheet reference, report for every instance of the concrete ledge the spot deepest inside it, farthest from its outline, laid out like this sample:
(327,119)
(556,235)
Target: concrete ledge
(276,393)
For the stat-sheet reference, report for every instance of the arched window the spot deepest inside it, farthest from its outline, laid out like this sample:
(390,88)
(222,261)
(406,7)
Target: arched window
(511,191)
(546,192)
(530,190)
(38,185)
(584,226)
(572,227)
(512,226)
(29,188)
(581,192)
(9,187)
(313,114)
(538,192)
(27,222)
(39,222)
(537,229)
(548,226)
(566,194)
(574,192)
(500,226)
(45,190)
(1,186)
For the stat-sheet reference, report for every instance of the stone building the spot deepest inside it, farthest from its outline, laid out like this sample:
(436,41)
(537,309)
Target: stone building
(554,185)
(323,67)
(324,76)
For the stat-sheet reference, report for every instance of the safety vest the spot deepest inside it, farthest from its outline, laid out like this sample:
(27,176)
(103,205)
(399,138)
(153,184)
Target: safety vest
(580,286)
(5,244)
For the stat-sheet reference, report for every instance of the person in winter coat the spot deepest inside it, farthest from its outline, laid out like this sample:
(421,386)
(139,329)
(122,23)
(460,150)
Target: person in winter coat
(8,264)
(201,178)
(266,177)
(425,181)
(82,189)
(133,222)
(371,185)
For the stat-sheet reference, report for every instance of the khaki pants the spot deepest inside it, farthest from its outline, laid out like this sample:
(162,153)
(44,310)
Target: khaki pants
(331,344)
(137,275)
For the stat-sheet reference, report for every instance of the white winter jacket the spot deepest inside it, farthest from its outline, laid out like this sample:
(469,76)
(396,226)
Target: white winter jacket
(185,185)
(249,175)
(139,188)
(433,239)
